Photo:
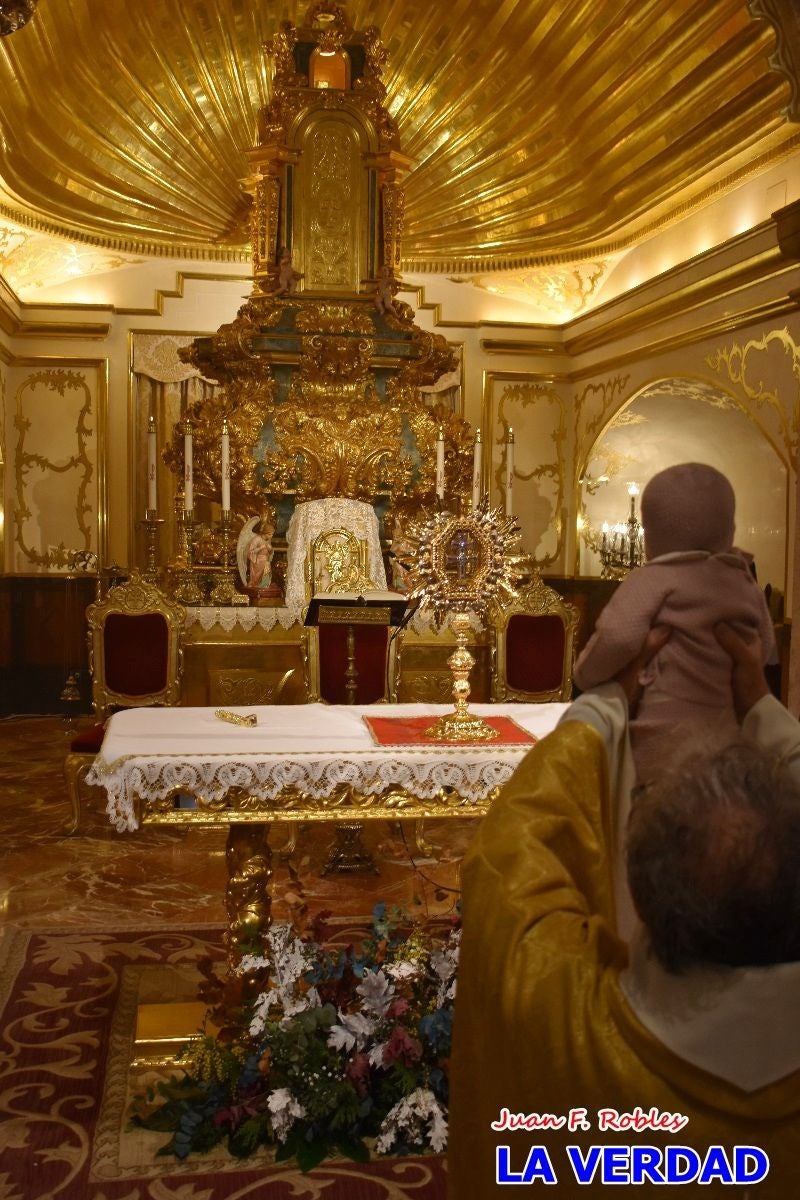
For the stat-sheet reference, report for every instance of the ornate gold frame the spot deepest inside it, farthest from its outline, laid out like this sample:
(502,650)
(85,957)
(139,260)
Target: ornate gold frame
(134,598)
(536,599)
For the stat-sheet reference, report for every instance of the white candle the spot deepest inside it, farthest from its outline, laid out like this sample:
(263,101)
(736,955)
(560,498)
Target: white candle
(188,483)
(477,454)
(152,450)
(440,465)
(226,467)
(510,472)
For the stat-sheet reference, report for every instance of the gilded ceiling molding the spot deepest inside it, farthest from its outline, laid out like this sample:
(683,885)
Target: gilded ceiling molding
(784,17)
(682,300)
(15,326)
(148,158)
(770,312)
(153,249)
(605,249)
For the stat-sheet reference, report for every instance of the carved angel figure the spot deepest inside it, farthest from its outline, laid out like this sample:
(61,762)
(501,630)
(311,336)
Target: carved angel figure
(287,276)
(384,293)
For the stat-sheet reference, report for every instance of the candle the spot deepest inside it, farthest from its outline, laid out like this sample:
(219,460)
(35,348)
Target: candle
(509,472)
(440,465)
(188,484)
(477,452)
(152,485)
(226,467)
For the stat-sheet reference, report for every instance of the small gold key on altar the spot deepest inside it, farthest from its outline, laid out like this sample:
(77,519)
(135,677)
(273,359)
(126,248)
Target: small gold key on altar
(236,718)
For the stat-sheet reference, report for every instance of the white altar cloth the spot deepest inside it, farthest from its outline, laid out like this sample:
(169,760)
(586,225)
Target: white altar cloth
(149,752)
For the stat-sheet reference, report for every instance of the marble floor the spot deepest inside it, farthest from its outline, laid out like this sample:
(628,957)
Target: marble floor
(101,879)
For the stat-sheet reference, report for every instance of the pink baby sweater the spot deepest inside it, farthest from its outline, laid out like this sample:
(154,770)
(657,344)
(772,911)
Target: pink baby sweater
(687,694)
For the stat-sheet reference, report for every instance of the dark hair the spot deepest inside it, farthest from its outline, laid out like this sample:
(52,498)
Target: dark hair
(714,862)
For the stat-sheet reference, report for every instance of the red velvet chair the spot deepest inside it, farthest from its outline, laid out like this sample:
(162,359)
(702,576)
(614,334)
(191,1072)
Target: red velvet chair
(533,645)
(135,660)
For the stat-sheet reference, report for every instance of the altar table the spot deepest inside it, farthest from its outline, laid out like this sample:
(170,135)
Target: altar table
(312,762)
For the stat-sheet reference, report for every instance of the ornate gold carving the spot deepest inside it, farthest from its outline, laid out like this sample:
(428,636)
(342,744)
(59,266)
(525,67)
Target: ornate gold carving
(335,318)
(79,461)
(337,562)
(247,687)
(331,216)
(604,398)
(247,896)
(290,804)
(738,361)
(322,397)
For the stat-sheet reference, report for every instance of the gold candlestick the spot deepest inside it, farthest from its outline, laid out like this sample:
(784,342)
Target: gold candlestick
(461,725)
(223,590)
(188,590)
(150,524)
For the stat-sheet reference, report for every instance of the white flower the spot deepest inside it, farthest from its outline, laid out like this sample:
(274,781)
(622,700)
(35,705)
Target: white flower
(403,970)
(353,1030)
(376,1055)
(284,1111)
(419,1118)
(444,963)
(252,962)
(376,992)
(288,962)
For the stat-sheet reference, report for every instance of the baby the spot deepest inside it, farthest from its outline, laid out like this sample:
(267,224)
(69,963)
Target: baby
(693,578)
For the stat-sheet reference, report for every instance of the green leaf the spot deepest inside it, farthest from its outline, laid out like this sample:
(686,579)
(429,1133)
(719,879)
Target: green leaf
(357,1151)
(247,1137)
(294,1140)
(311,1154)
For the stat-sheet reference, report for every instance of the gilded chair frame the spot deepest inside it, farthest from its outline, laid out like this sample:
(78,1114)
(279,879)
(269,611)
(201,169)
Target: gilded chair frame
(535,599)
(136,597)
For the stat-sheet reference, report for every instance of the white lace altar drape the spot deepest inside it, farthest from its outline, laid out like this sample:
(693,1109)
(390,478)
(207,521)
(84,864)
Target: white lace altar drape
(314,517)
(149,753)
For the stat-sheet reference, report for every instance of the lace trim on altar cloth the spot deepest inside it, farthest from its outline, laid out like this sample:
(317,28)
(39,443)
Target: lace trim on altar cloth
(267,618)
(423,775)
(243,618)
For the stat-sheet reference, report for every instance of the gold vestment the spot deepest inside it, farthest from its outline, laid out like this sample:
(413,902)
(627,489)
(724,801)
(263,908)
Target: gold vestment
(541,1023)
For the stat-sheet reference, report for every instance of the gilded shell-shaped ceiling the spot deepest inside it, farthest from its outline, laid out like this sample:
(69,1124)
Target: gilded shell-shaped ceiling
(541,131)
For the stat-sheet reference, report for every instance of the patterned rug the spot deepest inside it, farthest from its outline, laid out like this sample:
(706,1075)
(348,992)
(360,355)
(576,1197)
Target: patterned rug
(68,1003)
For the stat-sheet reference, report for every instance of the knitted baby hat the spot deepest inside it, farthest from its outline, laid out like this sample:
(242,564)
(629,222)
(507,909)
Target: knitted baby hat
(688,507)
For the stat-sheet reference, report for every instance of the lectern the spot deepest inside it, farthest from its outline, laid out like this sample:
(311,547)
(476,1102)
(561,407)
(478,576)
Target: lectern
(351,609)
(382,609)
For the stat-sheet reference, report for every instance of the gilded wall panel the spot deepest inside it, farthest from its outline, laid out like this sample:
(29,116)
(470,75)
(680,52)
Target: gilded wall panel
(58,474)
(535,411)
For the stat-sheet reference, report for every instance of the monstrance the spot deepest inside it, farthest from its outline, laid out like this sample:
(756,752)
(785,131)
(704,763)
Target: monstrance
(461,563)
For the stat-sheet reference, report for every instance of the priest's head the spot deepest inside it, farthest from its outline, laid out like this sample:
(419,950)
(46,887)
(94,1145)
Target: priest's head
(714,862)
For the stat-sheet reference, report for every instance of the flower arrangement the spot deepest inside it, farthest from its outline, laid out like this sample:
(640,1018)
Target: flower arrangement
(340,1051)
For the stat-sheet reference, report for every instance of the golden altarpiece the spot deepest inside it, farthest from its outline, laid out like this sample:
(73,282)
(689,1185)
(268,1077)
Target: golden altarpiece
(319,376)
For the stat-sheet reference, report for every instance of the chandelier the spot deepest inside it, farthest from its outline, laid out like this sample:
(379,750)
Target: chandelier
(622,545)
(14,14)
